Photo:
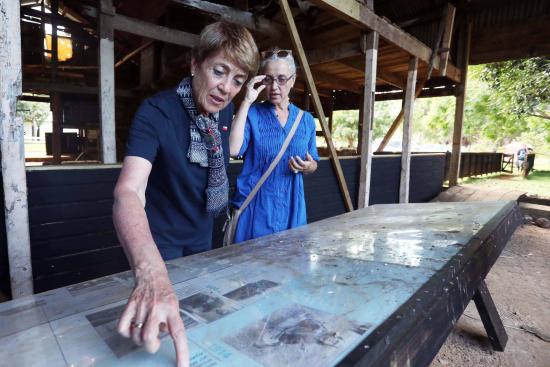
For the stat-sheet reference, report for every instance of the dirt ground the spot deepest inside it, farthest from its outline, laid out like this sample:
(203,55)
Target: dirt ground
(520,285)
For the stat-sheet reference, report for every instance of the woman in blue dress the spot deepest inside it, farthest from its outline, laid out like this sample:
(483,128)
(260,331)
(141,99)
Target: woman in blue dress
(258,132)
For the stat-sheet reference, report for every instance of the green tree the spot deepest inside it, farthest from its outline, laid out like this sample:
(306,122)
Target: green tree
(504,102)
(34,112)
(522,86)
(346,128)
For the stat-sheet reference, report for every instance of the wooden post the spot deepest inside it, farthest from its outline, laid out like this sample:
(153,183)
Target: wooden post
(13,152)
(395,124)
(407,131)
(447,37)
(445,23)
(367,117)
(358,13)
(57,128)
(55,100)
(107,81)
(147,66)
(316,101)
(330,113)
(54,7)
(459,109)
(361,123)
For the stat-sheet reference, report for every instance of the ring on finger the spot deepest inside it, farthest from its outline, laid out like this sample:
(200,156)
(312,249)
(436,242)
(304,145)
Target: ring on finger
(137,325)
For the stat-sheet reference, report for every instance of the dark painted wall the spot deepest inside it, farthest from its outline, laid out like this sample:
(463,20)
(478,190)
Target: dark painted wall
(72,235)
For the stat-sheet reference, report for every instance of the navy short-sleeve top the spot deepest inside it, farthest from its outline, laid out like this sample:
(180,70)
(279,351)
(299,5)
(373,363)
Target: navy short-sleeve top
(175,194)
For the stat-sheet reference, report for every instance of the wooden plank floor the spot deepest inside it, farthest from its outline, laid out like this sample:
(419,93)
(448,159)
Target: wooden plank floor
(475,193)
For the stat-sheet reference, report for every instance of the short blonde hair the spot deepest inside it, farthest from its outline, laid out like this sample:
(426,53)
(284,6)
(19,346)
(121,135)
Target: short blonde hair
(233,39)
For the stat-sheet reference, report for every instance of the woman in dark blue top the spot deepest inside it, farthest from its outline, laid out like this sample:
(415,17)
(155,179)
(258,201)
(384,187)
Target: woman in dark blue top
(258,132)
(173,180)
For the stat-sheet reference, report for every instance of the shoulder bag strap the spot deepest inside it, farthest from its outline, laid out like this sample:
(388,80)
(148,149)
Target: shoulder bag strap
(273,164)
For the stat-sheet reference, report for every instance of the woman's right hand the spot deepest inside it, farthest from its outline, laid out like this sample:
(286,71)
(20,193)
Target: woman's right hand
(252,91)
(152,309)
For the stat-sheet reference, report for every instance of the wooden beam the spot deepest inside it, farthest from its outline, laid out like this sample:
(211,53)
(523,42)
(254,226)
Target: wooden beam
(153,31)
(426,93)
(287,15)
(437,43)
(258,24)
(424,18)
(133,53)
(490,318)
(454,165)
(333,53)
(336,82)
(446,20)
(395,124)
(381,75)
(407,132)
(107,81)
(367,117)
(13,153)
(447,37)
(359,14)
(61,87)
(391,79)
(70,13)
(59,19)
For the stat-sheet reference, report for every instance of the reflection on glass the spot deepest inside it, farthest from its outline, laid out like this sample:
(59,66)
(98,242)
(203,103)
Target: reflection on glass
(405,247)
(363,247)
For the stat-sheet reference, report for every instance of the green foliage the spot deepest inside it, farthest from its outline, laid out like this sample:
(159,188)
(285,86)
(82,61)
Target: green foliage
(346,128)
(523,86)
(384,114)
(505,102)
(34,112)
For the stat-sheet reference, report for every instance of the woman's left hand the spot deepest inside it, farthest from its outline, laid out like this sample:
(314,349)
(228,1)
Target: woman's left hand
(297,164)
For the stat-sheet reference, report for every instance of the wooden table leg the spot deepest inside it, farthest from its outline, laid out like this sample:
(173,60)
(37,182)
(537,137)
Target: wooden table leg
(489,315)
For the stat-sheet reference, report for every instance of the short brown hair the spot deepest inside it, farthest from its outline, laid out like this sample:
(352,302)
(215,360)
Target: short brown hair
(235,40)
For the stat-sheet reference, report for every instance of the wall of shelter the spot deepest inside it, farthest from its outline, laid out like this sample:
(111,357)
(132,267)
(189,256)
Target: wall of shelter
(73,238)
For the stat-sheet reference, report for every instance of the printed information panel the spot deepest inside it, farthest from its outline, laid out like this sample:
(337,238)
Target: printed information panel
(303,297)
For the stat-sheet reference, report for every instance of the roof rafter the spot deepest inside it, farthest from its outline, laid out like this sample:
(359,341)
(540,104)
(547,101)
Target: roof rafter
(232,15)
(365,18)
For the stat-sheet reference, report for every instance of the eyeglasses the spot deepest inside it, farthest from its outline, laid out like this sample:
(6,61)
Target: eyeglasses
(281,79)
(278,53)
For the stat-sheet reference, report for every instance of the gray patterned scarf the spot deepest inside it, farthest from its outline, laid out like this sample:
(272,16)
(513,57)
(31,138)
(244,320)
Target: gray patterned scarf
(206,150)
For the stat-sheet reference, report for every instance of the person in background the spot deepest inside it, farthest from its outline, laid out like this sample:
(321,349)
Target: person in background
(521,155)
(173,180)
(258,132)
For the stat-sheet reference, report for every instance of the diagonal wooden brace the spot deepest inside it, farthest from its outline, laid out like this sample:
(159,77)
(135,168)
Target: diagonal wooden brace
(490,317)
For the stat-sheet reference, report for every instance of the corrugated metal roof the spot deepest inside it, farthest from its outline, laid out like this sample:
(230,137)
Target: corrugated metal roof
(485,13)
(510,13)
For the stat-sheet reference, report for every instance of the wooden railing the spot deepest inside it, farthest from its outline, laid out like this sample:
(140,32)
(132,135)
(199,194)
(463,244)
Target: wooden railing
(508,163)
(475,164)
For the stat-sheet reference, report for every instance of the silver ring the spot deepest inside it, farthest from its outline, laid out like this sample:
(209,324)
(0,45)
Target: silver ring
(137,325)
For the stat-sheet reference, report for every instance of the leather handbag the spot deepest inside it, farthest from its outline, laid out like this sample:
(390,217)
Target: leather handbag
(230,225)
